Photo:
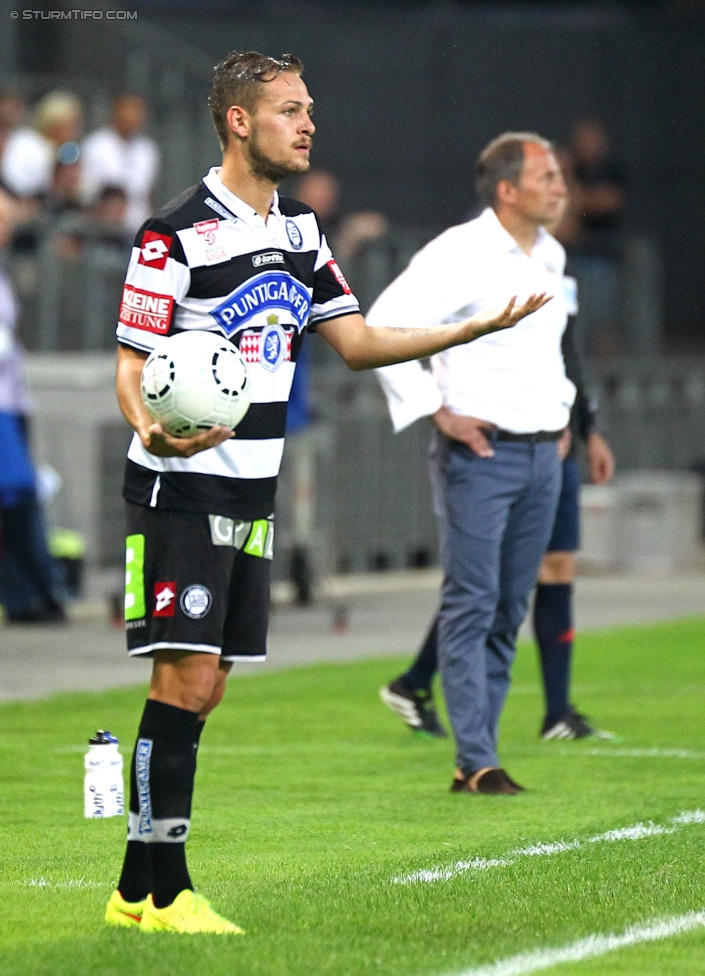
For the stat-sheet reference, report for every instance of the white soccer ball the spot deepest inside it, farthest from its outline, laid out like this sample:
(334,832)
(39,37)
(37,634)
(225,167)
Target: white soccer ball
(192,381)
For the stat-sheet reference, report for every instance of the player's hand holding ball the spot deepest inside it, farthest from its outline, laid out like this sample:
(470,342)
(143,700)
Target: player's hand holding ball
(196,387)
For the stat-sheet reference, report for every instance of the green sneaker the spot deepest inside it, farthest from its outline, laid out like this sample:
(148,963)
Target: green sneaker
(189,913)
(126,914)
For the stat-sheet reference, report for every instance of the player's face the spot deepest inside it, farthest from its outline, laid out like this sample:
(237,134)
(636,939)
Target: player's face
(279,144)
(541,194)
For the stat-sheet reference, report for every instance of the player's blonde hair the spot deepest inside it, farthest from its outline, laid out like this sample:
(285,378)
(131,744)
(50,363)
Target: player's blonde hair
(238,80)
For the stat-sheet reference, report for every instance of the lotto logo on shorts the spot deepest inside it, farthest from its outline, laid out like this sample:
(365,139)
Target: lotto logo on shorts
(155,249)
(164,599)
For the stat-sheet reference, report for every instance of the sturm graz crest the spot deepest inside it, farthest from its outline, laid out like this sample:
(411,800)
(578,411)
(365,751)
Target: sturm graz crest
(273,345)
(294,235)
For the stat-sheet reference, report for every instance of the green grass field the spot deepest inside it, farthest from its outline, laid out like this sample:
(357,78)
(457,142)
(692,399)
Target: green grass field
(311,799)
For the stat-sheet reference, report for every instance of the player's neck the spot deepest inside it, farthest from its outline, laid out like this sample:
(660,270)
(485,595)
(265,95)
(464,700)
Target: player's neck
(258,193)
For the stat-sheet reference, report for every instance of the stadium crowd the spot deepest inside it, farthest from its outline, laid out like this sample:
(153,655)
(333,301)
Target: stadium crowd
(94,185)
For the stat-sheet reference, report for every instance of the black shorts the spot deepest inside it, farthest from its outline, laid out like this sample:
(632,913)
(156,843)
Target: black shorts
(197,582)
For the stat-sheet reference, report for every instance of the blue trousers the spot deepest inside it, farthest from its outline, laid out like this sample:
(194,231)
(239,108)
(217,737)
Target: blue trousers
(495,517)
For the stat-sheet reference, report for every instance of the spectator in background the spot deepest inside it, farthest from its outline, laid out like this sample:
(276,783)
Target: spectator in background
(108,217)
(122,155)
(347,233)
(591,232)
(28,583)
(63,198)
(32,152)
(13,107)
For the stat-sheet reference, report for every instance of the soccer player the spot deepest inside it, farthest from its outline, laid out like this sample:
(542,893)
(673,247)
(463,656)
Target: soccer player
(232,257)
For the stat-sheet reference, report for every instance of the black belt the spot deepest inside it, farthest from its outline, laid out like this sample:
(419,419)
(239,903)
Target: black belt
(536,438)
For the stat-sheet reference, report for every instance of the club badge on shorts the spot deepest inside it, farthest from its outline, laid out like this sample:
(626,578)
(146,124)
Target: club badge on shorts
(196,601)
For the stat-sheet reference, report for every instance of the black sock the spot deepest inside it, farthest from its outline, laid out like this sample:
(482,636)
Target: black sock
(553,628)
(136,878)
(420,675)
(200,725)
(164,771)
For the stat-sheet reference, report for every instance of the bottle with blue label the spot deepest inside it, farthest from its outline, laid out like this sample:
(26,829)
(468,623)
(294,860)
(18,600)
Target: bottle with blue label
(103,789)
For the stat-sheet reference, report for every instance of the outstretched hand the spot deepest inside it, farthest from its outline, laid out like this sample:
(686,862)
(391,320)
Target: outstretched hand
(490,320)
(158,442)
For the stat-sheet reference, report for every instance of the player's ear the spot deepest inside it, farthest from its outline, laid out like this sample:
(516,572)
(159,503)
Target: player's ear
(239,121)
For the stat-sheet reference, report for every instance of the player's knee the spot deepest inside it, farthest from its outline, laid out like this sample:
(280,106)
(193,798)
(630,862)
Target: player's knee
(187,681)
(557,567)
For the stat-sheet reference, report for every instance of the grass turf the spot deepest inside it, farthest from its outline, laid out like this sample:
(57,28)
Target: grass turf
(311,798)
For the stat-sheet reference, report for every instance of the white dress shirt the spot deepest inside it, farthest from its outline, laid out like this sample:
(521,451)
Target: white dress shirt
(515,378)
(27,163)
(133,164)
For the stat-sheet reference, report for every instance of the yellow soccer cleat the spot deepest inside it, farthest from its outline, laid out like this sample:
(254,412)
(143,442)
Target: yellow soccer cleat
(126,914)
(189,913)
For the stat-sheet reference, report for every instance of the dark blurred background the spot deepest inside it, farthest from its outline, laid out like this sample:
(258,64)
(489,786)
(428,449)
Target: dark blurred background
(407,94)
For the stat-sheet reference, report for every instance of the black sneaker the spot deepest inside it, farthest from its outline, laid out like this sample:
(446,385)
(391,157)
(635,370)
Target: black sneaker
(415,708)
(573,725)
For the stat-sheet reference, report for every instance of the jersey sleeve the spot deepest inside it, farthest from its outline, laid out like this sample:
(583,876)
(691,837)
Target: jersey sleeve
(332,296)
(157,279)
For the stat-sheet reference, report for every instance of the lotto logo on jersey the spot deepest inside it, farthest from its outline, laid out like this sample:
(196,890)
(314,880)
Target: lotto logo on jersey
(154,249)
(164,599)
(339,277)
(146,310)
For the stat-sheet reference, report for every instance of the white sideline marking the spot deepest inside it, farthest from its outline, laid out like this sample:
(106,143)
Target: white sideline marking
(43,882)
(645,753)
(636,832)
(593,945)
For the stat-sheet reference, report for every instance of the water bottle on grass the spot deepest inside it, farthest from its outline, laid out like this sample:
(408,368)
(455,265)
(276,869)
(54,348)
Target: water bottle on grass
(103,790)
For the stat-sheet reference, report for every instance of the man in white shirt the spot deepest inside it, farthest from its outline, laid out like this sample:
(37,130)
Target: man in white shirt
(499,407)
(122,155)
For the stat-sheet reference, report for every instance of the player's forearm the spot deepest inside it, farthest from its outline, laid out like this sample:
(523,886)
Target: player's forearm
(365,347)
(127,385)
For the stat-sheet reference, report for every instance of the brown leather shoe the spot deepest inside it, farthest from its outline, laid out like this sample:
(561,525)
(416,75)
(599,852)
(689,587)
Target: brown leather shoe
(491,781)
(512,782)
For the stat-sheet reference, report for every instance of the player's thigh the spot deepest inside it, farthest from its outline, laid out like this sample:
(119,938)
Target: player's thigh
(177,582)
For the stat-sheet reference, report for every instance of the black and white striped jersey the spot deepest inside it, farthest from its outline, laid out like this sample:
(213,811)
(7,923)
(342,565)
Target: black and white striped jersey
(208,261)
